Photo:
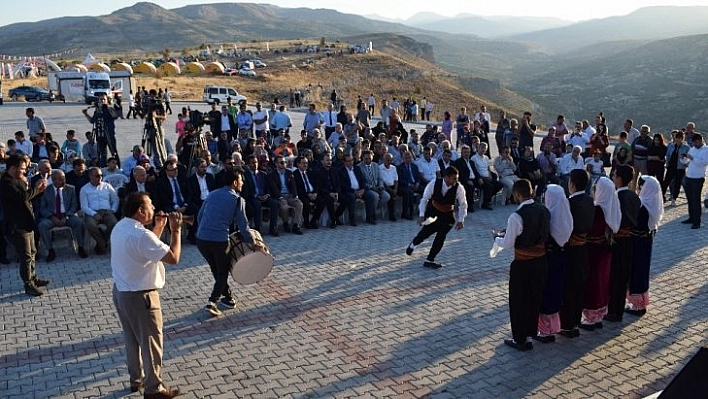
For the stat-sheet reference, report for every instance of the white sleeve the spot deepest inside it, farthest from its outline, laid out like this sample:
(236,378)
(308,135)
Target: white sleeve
(514,227)
(461,204)
(427,194)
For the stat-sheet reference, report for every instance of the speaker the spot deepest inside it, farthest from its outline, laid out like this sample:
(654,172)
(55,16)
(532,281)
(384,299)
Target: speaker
(691,381)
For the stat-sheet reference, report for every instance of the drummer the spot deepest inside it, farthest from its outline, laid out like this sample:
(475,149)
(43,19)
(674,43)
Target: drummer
(221,209)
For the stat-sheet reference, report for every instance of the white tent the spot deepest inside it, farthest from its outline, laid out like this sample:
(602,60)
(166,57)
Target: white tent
(89,60)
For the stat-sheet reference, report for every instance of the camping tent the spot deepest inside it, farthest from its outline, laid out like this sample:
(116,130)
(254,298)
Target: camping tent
(169,69)
(122,66)
(214,68)
(89,60)
(99,67)
(145,67)
(77,68)
(193,68)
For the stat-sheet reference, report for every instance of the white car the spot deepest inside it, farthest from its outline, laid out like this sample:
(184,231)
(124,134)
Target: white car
(259,63)
(246,72)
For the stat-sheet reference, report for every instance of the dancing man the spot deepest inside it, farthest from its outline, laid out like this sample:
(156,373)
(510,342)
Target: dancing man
(438,206)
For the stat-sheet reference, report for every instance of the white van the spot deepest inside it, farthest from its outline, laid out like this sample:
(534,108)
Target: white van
(220,94)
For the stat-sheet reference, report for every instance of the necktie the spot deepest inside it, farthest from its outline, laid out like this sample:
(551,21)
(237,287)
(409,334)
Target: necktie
(675,155)
(410,173)
(330,119)
(178,194)
(371,176)
(308,187)
(255,183)
(57,204)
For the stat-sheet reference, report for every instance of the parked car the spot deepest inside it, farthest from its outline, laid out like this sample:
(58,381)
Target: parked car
(246,72)
(220,94)
(31,93)
(259,64)
(230,72)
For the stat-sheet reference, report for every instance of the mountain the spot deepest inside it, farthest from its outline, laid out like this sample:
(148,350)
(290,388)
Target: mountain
(489,26)
(649,23)
(661,83)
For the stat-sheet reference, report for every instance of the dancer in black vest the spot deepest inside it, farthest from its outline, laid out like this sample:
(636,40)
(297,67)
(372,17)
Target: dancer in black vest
(576,272)
(438,206)
(527,232)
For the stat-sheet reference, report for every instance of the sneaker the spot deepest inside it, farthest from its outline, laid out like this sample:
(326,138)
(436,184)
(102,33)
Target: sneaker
(212,309)
(228,302)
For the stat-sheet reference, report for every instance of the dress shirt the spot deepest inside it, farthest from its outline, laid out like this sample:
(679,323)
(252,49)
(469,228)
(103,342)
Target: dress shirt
(308,187)
(547,163)
(283,183)
(574,140)
(281,120)
(389,175)
(352,179)
(136,254)
(176,189)
(469,167)
(225,125)
(140,186)
(460,196)
(58,192)
(261,115)
(97,198)
(504,167)
(482,164)
(514,228)
(203,189)
(244,120)
(330,118)
(35,125)
(428,168)
(697,166)
(597,166)
(24,146)
(632,134)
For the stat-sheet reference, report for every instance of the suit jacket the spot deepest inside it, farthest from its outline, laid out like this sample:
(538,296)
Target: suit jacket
(132,187)
(48,200)
(194,192)
(17,204)
(371,179)
(274,183)
(442,165)
(300,183)
(327,180)
(344,182)
(404,178)
(461,166)
(162,197)
(249,186)
(216,124)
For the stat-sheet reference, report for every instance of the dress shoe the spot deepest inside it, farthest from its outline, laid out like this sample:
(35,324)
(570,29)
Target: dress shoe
(296,230)
(546,339)
(51,255)
(526,346)
(40,282)
(695,226)
(487,207)
(273,232)
(286,227)
(410,248)
(332,224)
(612,317)
(587,327)
(636,312)
(31,289)
(432,265)
(82,253)
(687,221)
(568,333)
(166,394)
(136,386)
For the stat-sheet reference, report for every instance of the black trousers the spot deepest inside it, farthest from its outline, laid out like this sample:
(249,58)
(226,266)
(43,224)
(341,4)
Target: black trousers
(672,182)
(440,228)
(576,275)
(23,241)
(216,254)
(620,271)
(693,188)
(347,201)
(527,279)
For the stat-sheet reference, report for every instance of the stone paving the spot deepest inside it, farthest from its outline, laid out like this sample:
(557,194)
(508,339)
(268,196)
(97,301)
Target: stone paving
(346,314)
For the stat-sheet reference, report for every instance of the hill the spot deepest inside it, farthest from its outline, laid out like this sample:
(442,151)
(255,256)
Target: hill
(661,83)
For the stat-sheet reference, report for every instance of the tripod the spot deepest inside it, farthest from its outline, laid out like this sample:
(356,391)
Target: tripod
(105,140)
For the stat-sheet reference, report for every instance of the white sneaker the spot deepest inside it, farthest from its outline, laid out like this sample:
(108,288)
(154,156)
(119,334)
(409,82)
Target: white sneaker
(212,309)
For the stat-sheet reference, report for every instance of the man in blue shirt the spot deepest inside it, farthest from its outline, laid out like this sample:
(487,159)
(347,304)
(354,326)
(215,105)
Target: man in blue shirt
(221,209)
(312,120)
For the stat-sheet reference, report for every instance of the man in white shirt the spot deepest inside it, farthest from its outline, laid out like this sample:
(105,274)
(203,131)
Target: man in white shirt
(389,176)
(697,160)
(438,206)
(138,273)
(372,103)
(428,167)
(330,120)
(260,121)
(22,146)
(490,182)
(99,203)
(568,163)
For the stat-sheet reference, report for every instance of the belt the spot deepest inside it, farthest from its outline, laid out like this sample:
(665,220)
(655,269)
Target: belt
(442,207)
(577,240)
(529,253)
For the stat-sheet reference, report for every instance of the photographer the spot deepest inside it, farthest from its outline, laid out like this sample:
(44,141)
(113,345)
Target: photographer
(153,134)
(104,129)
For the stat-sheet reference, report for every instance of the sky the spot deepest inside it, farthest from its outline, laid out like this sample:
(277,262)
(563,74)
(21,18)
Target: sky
(574,10)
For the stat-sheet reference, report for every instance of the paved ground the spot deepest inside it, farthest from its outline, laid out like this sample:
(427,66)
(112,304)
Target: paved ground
(346,313)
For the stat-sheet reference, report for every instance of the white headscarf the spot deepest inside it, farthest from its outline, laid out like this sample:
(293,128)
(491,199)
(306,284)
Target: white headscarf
(561,219)
(651,198)
(606,198)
